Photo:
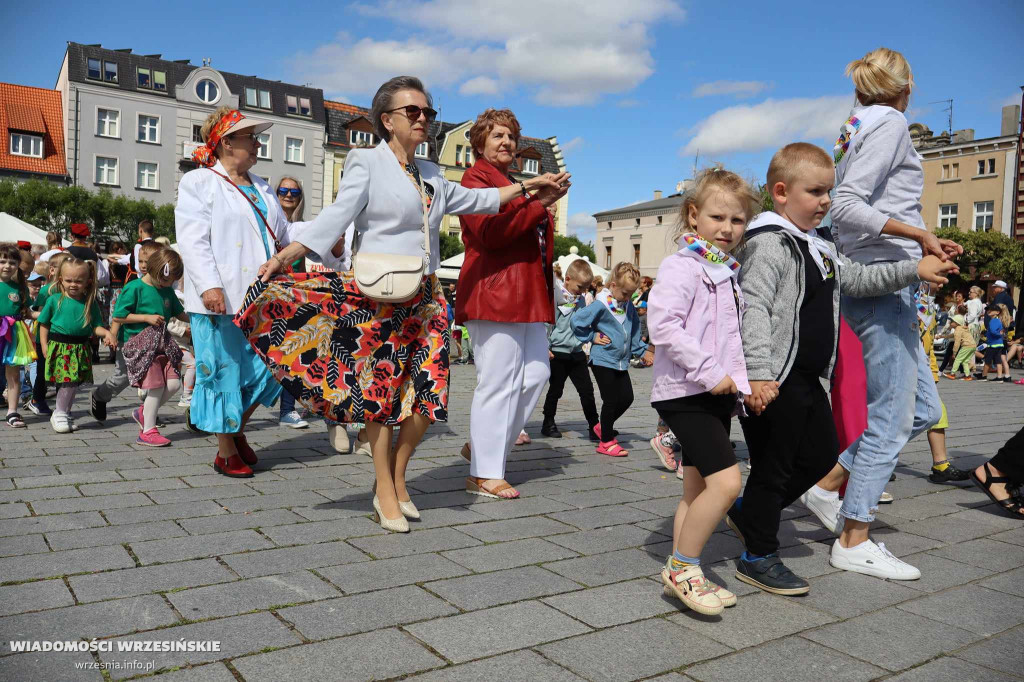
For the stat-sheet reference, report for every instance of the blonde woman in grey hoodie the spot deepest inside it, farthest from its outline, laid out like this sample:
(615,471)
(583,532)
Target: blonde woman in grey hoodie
(877,212)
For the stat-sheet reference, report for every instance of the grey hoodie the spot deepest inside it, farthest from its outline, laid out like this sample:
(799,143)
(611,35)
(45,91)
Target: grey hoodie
(772,281)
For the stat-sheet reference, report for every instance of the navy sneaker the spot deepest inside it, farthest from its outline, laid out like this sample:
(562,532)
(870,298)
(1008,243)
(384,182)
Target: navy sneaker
(771,575)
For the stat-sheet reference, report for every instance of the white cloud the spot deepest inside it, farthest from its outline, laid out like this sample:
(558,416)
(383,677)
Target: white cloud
(572,145)
(738,89)
(583,226)
(564,53)
(768,125)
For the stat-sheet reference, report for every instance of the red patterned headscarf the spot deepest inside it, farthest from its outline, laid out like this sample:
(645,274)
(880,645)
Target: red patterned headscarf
(204,155)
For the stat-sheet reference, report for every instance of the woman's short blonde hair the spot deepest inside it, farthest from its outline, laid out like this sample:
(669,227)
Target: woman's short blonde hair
(880,76)
(485,123)
(211,121)
(710,180)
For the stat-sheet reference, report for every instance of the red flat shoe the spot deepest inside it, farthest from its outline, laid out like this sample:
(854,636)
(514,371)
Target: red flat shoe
(233,466)
(247,454)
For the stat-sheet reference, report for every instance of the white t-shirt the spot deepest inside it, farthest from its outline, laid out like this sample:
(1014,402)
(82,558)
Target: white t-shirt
(975,309)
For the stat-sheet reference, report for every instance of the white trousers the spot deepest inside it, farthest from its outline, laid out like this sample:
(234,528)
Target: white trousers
(511,370)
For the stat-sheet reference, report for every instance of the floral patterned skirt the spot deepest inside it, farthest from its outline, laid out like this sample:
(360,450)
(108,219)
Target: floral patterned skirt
(346,357)
(69,362)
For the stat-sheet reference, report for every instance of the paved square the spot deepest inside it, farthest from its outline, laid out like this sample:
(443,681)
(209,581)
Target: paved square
(101,538)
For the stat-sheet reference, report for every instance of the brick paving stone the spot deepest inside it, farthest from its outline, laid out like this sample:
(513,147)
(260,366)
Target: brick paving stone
(1014,537)
(55,522)
(65,505)
(601,569)
(124,487)
(271,561)
(608,539)
(322,531)
(525,664)
(250,595)
(755,619)
(494,631)
(237,636)
(49,666)
(870,638)
(31,494)
(938,573)
(407,544)
(226,522)
(253,503)
(211,672)
(114,535)
(596,498)
(364,612)
(375,655)
(1002,652)
(214,544)
(588,519)
(387,573)
(104,619)
(147,579)
(614,604)
(69,479)
(484,590)
(46,594)
(165,512)
(508,554)
(625,652)
(846,594)
(946,669)
(221,493)
(792,659)
(52,564)
(971,607)
(1011,582)
(985,553)
(516,529)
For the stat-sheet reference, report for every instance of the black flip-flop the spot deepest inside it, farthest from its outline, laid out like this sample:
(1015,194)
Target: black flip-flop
(1012,505)
(14,420)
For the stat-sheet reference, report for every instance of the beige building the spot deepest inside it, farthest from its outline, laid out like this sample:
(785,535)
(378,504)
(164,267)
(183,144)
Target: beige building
(640,233)
(969,183)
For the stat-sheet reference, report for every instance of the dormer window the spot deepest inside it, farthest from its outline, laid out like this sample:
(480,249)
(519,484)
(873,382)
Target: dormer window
(531,166)
(361,138)
(27,145)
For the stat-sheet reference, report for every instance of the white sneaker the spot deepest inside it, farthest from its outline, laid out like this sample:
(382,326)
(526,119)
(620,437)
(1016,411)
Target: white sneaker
(185,401)
(60,423)
(71,423)
(826,508)
(886,498)
(871,559)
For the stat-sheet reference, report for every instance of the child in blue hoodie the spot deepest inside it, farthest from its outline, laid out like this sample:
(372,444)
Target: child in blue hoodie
(613,315)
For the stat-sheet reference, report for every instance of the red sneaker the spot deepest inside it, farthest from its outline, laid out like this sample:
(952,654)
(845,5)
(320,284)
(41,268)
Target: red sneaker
(247,454)
(232,466)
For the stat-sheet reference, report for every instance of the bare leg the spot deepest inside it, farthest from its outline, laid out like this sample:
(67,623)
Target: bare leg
(937,442)
(854,533)
(998,489)
(380,437)
(409,436)
(834,479)
(707,509)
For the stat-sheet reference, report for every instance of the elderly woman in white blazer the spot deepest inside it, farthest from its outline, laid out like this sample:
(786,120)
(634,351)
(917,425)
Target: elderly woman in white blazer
(387,363)
(228,223)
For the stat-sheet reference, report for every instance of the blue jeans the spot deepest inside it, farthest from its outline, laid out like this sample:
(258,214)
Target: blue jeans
(287,403)
(902,399)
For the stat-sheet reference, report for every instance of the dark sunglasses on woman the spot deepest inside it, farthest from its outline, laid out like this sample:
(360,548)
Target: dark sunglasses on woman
(285,191)
(413,112)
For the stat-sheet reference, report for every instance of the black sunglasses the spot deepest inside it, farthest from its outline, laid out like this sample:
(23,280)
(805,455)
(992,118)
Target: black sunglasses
(413,112)
(285,191)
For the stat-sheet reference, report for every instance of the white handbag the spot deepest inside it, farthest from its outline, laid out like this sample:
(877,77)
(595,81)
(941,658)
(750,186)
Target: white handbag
(390,278)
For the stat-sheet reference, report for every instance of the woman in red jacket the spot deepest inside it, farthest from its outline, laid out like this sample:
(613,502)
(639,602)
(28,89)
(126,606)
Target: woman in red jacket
(505,297)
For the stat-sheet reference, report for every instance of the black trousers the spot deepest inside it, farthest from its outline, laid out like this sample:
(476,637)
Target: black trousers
(572,366)
(947,357)
(1010,458)
(792,445)
(39,387)
(616,396)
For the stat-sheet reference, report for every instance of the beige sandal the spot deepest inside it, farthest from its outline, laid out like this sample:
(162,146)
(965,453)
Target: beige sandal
(475,486)
(467,453)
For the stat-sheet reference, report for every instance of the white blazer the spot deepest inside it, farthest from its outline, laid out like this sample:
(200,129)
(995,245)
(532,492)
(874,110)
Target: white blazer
(377,195)
(219,236)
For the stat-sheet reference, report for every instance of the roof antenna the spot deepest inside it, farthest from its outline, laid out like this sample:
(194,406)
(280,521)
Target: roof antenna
(949,110)
(207,61)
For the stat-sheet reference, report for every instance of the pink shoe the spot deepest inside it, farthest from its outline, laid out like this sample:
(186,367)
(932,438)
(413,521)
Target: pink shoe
(664,452)
(612,449)
(152,438)
(1020,382)
(523,439)
(137,416)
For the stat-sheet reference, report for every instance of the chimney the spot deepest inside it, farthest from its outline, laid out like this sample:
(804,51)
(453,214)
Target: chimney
(657,194)
(1011,114)
(965,135)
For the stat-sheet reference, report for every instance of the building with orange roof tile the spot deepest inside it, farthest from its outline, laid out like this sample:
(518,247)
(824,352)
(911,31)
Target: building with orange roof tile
(32,131)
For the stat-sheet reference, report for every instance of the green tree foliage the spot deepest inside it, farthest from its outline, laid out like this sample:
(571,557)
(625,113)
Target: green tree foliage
(50,206)
(563,244)
(450,245)
(767,204)
(986,254)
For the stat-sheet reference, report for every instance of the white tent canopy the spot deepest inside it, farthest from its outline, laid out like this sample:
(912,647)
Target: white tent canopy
(13,229)
(450,267)
(574,254)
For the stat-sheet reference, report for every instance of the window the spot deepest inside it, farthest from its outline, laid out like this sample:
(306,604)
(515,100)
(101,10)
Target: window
(197,133)
(983,215)
(304,108)
(991,166)
(149,128)
(264,99)
(160,81)
(106,170)
(107,121)
(458,154)
(609,224)
(206,91)
(293,150)
(422,150)
(469,157)
(360,137)
(636,255)
(955,173)
(608,258)
(945,171)
(263,151)
(94,69)
(27,145)
(293,104)
(660,219)
(250,97)
(987,167)
(110,72)
(146,175)
(947,215)
(531,166)
(638,222)
(144,79)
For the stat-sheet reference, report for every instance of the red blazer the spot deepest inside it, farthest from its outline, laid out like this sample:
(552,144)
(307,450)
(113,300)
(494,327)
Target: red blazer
(505,277)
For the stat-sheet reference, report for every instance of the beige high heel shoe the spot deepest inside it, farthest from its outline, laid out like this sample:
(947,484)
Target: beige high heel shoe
(409,510)
(399,525)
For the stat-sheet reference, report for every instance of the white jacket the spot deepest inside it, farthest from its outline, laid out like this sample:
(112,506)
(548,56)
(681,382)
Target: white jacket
(377,196)
(219,236)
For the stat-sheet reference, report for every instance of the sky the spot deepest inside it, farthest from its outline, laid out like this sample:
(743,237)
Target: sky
(638,92)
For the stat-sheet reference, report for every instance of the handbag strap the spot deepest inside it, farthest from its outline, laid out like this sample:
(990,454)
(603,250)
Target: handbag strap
(256,208)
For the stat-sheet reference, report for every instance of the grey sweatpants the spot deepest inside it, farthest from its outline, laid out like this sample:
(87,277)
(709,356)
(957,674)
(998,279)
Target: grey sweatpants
(117,382)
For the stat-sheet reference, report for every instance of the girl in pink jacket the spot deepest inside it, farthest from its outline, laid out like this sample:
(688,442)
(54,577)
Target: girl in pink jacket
(700,378)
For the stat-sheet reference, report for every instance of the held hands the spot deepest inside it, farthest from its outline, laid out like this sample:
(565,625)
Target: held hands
(648,358)
(108,338)
(550,187)
(601,340)
(213,299)
(725,386)
(933,267)
(943,249)
(761,394)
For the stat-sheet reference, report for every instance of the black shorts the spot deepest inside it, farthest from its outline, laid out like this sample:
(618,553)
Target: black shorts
(701,425)
(994,356)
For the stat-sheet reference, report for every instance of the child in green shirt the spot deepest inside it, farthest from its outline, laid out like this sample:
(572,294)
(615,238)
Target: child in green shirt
(15,346)
(38,404)
(68,321)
